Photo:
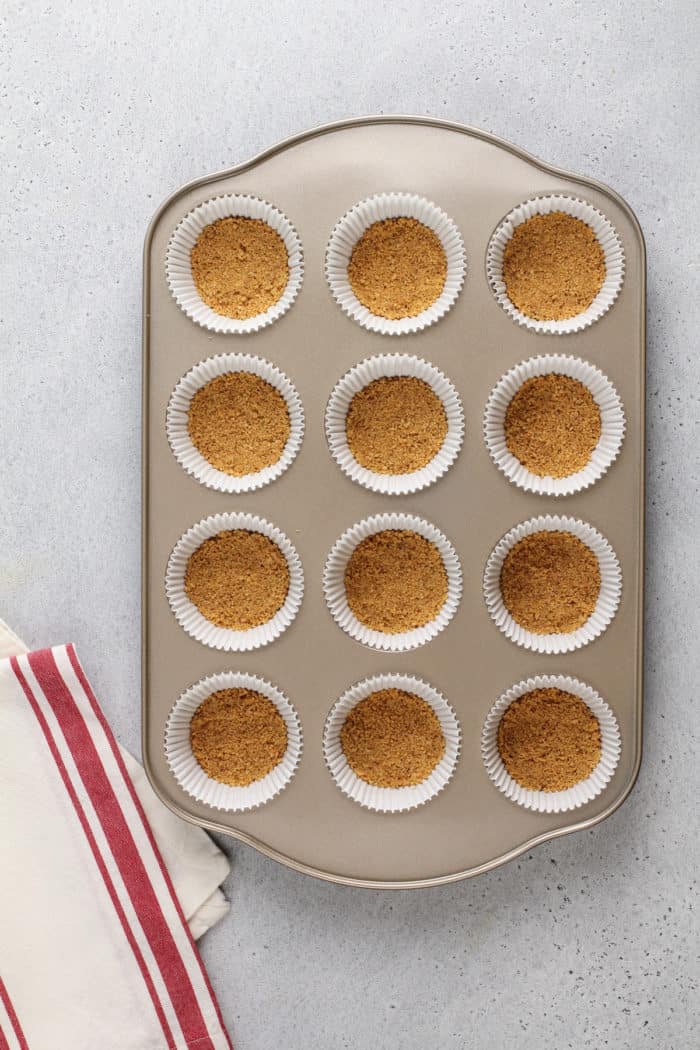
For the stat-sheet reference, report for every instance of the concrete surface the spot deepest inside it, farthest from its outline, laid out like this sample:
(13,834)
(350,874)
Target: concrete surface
(591,941)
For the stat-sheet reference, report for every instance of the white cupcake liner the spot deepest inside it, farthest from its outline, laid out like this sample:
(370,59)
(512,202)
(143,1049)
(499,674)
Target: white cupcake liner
(178,269)
(347,233)
(607,238)
(334,583)
(608,599)
(552,801)
(384,799)
(187,770)
(612,423)
(177,419)
(387,365)
(188,615)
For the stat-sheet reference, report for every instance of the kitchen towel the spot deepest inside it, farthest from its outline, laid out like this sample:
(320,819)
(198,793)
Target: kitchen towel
(95,947)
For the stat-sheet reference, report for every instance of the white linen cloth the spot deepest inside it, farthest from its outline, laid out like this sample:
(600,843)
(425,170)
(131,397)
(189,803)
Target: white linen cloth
(98,879)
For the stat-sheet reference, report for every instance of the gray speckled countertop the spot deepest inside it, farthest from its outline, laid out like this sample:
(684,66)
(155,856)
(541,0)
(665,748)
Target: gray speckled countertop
(590,941)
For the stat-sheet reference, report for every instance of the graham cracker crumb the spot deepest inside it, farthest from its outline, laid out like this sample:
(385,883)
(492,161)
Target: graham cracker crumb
(550,582)
(238,736)
(395,425)
(395,581)
(239,422)
(392,739)
(237,579)
(552,425)
(239,266)
(549,740)
(553,266)
(398,268)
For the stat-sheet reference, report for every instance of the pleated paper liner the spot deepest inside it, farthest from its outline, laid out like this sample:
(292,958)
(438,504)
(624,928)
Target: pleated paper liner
(384,799)
(552,801)
(608,598)
(177,422)
(334,583)
(188,615)
(347,233)
(612,424)
(390,365)
(606,236)
(178,268)
(187,770)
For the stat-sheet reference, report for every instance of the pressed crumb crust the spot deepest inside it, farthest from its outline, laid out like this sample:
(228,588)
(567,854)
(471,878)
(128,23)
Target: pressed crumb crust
(549,740)
(398,268)
(395,581)
(237,579)
(239,422)
(550,582)
(552,425)
(395,425)
(239,266)
(238,736)
(553,267)
(392,738)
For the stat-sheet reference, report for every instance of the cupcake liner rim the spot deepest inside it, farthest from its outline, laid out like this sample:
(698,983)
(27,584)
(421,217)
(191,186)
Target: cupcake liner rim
(580,793)
(177,421)
(382,799)
(608,598)
(612,424)
(606,235)
(348,230)
(190,775)
(186,612)
(334,582)
(387,366)
(178,270)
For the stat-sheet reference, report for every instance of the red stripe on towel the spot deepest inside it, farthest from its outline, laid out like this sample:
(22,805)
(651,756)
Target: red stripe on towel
(123,848)
(14,1020)
(82,678)
(95,849)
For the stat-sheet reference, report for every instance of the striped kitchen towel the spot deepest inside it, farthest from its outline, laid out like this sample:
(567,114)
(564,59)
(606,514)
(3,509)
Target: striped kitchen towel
(95,949)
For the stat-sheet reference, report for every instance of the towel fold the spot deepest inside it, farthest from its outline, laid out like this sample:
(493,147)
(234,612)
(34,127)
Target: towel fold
(98,880)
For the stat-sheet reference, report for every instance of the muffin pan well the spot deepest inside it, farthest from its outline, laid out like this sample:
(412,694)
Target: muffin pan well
(303,818)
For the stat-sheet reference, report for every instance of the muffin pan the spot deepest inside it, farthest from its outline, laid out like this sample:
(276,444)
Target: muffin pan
(315,181)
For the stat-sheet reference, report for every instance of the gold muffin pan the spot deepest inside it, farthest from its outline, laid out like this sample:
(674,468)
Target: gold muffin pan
(315,179)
